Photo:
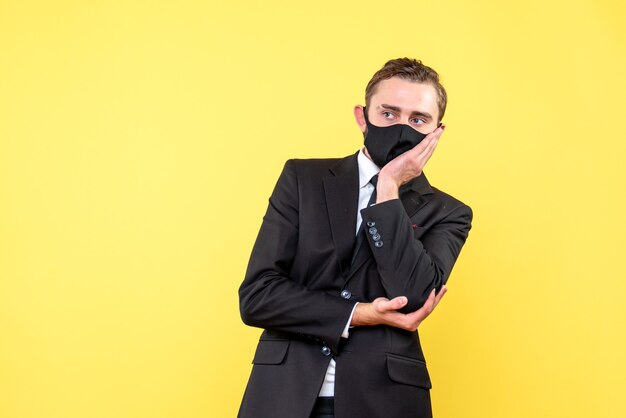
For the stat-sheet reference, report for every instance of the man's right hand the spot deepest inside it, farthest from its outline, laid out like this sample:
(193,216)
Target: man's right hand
(383,311)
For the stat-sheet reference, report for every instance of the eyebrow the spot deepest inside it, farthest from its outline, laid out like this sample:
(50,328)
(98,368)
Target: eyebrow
(414,113)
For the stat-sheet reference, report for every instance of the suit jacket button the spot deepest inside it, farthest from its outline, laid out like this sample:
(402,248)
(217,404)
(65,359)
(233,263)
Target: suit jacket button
(373,231)
(376,237)
(371,223)
(326,351)
(378,244)
(346,294)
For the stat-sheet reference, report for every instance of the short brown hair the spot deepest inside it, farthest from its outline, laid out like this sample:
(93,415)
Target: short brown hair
(412,70)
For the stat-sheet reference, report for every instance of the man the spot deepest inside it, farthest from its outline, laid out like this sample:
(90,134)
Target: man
(352,255)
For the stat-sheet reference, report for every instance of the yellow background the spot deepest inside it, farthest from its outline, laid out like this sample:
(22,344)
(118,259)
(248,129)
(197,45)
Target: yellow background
(139,142)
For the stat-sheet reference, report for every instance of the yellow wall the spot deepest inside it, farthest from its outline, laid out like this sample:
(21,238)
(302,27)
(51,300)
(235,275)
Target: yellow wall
(139,142)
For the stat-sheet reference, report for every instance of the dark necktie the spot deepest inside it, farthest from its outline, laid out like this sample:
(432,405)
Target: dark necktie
(360,236)
(372,200)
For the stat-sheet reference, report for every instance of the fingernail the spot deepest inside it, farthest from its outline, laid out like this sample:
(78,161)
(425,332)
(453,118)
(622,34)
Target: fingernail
(443,127)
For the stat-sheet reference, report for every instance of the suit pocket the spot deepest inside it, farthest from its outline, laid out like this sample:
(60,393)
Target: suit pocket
(270,351)
(408,370)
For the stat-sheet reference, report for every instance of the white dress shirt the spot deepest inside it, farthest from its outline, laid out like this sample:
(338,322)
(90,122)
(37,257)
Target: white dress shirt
(367,170)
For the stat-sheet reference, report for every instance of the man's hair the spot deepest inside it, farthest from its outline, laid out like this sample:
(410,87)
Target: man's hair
(412,70)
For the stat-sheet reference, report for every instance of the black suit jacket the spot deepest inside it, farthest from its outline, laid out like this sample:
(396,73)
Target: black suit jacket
(301,286)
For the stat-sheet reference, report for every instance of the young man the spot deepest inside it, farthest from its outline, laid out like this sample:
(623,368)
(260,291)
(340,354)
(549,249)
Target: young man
(353,254)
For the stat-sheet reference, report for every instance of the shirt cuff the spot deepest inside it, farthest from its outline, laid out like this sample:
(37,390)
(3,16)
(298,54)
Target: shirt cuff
(345,333)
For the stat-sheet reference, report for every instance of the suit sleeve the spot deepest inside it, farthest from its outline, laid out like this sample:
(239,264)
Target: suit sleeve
(413,267)
(268,296)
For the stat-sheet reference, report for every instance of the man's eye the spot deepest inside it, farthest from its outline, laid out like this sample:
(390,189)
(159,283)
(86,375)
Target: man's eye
(388,115)
(418,121)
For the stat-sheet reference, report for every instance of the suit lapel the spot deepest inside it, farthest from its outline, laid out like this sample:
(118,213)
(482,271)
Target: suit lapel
(413,195)
(342,196)
(364,253)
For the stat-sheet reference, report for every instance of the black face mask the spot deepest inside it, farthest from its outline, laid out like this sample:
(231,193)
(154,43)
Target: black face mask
(386,143)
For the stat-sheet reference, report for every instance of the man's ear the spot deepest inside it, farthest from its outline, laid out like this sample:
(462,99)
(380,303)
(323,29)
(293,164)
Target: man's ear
(360,118)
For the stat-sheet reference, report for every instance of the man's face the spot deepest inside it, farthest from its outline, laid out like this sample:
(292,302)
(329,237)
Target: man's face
(397,100)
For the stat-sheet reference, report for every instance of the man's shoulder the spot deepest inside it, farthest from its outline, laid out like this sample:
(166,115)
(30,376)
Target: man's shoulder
(448,202)
(446,197)
(313,162)
(317,166)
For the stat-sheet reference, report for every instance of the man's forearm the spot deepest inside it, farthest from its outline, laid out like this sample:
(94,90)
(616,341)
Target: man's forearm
(409,266)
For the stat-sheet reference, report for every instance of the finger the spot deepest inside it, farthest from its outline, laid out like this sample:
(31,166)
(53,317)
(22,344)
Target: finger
(393,304)
(437,132)
(430,147)
(430,302)
(434,135)
(439,296)
(421,147)
(424,157)
(428,306)
(416,317)
(425,154)
(427,141)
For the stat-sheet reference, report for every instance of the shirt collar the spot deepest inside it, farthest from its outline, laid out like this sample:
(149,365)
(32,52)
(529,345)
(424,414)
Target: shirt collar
(367,169)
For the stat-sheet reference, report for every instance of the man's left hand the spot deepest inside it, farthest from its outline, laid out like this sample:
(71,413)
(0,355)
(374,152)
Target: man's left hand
(383,311)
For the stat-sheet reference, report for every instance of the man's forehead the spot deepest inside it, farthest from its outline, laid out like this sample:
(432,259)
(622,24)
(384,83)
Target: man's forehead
(402,87)
(405,95)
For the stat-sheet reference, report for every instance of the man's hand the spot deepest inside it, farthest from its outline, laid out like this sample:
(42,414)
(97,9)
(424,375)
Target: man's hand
(406,167)
(383,311)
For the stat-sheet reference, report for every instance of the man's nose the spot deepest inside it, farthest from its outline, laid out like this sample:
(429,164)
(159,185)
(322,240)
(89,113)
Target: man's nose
(404,120)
